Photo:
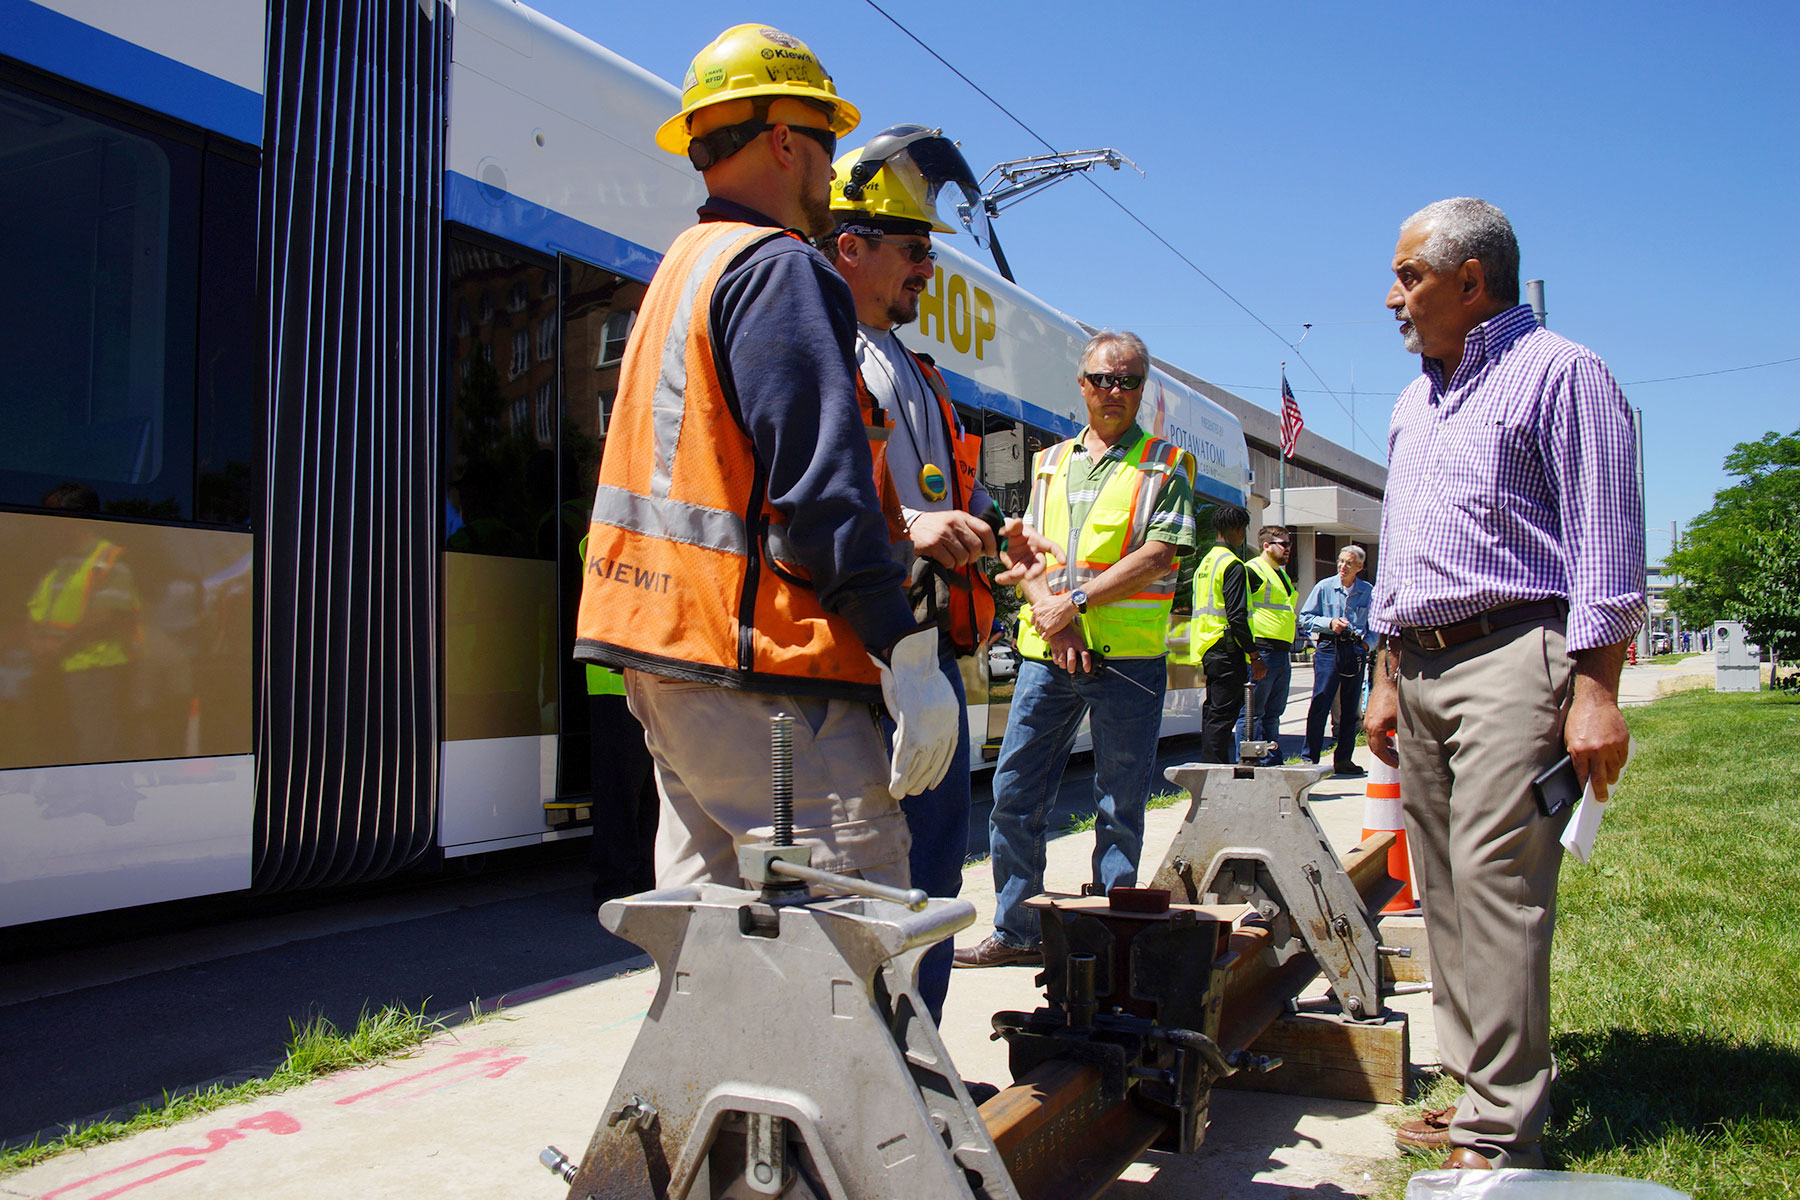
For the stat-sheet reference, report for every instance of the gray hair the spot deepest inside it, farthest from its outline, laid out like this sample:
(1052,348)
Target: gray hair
(1464,228)
(1355,552)
(1107,337)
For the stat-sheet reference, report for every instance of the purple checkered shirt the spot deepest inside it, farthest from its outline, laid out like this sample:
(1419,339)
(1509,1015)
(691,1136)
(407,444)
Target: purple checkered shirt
(1515,482)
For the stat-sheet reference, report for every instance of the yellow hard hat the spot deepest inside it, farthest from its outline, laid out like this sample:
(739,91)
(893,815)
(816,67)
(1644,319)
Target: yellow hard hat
(747,61)
(898,177)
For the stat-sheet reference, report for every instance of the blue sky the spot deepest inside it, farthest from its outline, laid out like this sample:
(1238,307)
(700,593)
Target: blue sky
(1647,155)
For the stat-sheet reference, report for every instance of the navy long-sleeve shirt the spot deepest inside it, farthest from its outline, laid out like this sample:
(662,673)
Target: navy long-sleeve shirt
(784,329)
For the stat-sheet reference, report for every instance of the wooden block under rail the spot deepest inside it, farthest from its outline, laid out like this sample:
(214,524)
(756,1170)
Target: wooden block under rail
(1325,1055)
(1407,931)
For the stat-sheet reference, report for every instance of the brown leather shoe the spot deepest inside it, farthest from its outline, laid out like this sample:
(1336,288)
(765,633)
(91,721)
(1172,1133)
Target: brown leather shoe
(1430,1130)
(992,952)
(1464,1159)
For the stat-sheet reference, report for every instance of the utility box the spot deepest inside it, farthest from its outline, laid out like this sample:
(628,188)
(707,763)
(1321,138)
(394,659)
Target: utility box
(1737,665)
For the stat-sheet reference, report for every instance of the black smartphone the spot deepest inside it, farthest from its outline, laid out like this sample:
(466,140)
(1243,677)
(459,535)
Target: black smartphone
(1557,788)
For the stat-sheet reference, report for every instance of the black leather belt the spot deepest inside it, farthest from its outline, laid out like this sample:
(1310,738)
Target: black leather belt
(1442,637)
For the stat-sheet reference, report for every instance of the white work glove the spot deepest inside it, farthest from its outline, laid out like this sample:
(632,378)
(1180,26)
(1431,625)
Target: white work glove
(925,712)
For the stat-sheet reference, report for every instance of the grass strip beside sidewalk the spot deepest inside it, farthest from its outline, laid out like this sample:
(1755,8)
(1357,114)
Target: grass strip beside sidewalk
(315,1048)
(1676,985)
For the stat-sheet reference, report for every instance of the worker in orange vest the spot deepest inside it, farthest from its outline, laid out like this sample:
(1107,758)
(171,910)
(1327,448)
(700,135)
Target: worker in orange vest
(884,198)
(739,563)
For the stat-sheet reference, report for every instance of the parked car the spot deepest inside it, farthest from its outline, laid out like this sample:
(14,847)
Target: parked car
(1659,643)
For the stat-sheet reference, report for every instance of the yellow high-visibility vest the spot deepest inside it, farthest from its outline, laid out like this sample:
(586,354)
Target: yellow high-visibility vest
(1272,607)
(1209,623)
(1136,626)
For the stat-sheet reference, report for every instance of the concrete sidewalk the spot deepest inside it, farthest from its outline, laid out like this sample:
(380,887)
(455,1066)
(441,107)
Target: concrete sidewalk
(1641,683)
(467,1114)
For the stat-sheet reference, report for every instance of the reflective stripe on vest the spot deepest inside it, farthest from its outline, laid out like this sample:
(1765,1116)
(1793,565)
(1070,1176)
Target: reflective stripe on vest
(679,578)
(1117,524)
(1210,623)
(1272,609)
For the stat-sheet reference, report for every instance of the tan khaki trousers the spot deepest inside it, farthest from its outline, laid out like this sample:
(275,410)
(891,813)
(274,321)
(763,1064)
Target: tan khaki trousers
(1477,723)
(713,762)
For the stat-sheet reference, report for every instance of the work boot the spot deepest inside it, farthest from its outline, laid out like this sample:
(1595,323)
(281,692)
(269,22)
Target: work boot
(992,952)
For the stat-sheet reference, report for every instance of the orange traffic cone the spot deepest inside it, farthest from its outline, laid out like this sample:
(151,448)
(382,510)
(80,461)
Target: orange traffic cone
(1382,813)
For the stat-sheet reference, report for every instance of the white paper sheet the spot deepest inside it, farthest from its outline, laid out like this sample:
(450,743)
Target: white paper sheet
(1578,835)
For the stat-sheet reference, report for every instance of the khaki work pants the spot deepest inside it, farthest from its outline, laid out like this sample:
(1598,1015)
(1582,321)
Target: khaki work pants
(1477,723)
(713,763)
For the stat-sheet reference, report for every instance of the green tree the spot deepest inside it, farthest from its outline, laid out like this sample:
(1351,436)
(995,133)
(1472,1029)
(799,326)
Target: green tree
(1740,560)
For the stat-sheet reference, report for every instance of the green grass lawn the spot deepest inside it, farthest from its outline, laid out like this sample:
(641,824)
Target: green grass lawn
(1676,994)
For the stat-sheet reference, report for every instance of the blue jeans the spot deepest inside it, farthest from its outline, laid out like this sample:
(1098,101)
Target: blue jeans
(1269,700)
(938,819)
(1047,706)
(1337,677)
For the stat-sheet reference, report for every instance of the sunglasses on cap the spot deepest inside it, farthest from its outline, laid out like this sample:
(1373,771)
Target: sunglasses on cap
(1106,381)
(916,252)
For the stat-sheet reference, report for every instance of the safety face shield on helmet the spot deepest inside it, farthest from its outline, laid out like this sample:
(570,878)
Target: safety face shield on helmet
(905,171)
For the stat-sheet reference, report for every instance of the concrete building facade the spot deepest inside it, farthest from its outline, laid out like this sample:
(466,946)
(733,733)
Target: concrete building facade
(1332,498)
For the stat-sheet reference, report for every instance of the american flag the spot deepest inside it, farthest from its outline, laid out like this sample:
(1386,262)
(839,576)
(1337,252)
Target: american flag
(1291,424)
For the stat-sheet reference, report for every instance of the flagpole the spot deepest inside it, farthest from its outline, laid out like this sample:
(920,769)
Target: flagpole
(1283,469)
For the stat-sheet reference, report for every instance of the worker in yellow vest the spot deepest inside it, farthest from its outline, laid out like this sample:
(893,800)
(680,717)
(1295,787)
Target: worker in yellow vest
(1092,641)
(86,628)
(884,202)
(739,564)
(1273,625)
(1219,637)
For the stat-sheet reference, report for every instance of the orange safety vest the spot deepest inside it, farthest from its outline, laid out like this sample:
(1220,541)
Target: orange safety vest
(972,597)
(686,572)
(880,427)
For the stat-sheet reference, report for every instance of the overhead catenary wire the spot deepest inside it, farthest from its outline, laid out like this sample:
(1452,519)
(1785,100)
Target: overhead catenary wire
(1120,205)
(1721,371)
(1624,383)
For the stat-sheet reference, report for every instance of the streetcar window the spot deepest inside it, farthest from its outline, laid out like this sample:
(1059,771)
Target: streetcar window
(99,246)
(598,309)
(501,471)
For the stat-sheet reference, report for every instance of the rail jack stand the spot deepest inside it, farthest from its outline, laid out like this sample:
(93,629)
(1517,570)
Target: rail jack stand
(772,1028)
(788,1055)
(1250,838)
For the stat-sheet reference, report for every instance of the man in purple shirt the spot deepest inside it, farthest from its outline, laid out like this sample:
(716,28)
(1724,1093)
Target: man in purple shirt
(1512,577)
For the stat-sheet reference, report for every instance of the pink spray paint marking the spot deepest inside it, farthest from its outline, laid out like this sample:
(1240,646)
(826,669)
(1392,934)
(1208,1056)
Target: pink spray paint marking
(470,1064)
(216,1140)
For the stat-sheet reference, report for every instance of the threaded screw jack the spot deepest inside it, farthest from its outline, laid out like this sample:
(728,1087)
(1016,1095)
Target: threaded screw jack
(781,776)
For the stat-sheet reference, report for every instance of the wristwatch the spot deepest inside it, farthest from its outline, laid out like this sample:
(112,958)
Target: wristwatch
(1079,599)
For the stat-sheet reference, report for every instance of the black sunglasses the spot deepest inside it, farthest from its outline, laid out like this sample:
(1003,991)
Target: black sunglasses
(714,148)
(1106,381)
(916,252)
(824,137)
